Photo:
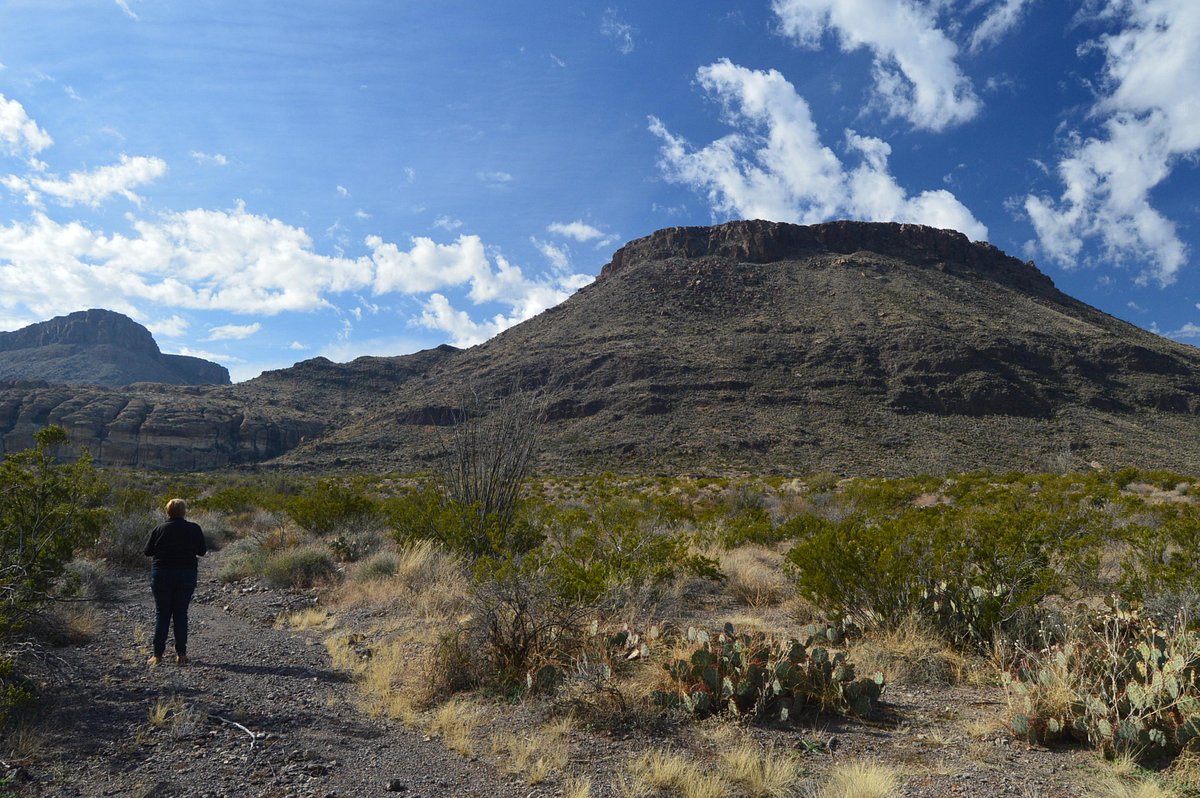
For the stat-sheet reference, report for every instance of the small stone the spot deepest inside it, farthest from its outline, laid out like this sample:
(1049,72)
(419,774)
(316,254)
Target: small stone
(396,785)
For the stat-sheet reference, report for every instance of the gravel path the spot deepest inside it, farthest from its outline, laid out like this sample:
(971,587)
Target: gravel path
(258,712)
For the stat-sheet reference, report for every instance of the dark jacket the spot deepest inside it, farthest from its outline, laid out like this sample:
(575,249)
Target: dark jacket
(176,544)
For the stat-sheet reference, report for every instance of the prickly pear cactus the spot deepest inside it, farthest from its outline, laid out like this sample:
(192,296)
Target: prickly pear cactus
(763,677)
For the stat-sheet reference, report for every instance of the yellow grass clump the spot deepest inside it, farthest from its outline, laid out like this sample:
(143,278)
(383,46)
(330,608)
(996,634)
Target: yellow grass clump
(860,780)
(455,722)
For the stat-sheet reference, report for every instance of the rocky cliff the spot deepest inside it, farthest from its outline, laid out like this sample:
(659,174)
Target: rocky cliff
(850,347)
(98,347)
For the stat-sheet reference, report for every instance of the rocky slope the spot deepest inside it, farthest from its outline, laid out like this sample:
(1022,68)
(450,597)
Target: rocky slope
(98,347)
(848,346)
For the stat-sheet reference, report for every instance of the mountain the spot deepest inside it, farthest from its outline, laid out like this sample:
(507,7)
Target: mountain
(852,347)
(98,347)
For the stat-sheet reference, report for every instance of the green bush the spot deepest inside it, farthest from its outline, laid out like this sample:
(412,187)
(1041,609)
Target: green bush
(242,559)
(970,573)
(47,510)
(302,566)
(331,505)
(613,546)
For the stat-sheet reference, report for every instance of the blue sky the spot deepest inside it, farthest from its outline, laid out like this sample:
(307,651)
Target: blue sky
(260,183)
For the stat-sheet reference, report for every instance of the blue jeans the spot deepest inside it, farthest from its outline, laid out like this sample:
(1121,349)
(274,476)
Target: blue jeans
(172,589)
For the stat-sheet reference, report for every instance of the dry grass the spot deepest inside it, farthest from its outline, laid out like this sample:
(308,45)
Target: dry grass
(537,755)
(577,788)
(655,772)
(860,780)
(455,722)
(314,619)
(756,576)
(760,774)
(420,578)
(163,709)
(909,653)
(386,678)
(25,742)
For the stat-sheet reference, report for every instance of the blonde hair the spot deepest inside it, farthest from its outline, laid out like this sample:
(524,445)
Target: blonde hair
(176,508)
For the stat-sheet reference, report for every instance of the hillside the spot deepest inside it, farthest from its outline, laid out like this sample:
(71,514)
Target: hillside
(98,347)
(850,347)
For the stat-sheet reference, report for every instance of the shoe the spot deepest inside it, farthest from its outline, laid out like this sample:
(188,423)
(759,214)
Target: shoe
(181,659)
(154,662)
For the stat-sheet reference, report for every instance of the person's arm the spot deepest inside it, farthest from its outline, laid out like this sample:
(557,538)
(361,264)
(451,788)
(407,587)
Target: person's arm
(151,543)
(201,545)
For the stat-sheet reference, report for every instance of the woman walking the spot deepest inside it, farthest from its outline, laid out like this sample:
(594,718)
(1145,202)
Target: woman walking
(174,545)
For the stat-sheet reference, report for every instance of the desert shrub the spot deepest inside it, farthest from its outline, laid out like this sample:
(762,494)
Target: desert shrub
(1118,682)
(519,634)
(750,525)
(47,510)
(969,573)
(91,580)
(14,691)
(124,539)
(1161,554)
(615,546)
(242,559)
(302,566)
(378,566)
(763,677)
(330,506)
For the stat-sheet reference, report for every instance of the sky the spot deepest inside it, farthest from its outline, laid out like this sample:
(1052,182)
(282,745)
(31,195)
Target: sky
(264,182)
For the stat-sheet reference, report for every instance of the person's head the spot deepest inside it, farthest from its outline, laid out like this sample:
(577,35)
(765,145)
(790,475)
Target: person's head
(176,508)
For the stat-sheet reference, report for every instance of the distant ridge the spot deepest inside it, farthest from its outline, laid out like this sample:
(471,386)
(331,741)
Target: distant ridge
(751,346)
(98,347)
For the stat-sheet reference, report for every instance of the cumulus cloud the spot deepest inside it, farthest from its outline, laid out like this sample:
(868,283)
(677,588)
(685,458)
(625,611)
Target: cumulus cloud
(559,257)
(20,135)
(91,188)
(578,230)
(173,327)
(774,166)
(915,63)
(232,332)
(1000,19)
(1151,121)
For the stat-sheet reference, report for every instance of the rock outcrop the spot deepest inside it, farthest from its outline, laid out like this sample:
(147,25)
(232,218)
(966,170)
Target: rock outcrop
(98,347)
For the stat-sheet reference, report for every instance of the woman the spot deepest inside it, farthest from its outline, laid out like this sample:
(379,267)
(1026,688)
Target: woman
(174,546)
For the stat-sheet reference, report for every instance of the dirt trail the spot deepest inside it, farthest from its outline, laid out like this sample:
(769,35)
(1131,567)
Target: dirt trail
(258,712)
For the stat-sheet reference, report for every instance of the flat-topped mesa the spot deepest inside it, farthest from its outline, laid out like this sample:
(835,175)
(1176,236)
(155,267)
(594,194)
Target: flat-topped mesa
(95,327)
(757,241)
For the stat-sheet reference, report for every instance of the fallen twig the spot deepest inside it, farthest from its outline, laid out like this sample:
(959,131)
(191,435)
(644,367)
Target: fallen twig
(253,736)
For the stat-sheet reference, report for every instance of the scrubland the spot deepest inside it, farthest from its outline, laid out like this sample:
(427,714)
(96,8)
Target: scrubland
(727,636)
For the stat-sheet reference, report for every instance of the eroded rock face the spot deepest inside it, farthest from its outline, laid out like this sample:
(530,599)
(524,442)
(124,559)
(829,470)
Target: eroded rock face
(98,347)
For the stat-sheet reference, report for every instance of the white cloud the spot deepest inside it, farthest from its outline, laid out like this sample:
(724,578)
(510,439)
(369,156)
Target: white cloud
(206,355)
(297,346)
(232,332)
(1003,17)
(1151,111)
(428,266)
(174,327)
(361,214)
(20,135)
(915,69)
(216,159)
(1188,330)
(124,6)
(495,179)
(91,188)
(343,192)
(578,230)
(447,224)
(620,32)
(559,257)
(774,166)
